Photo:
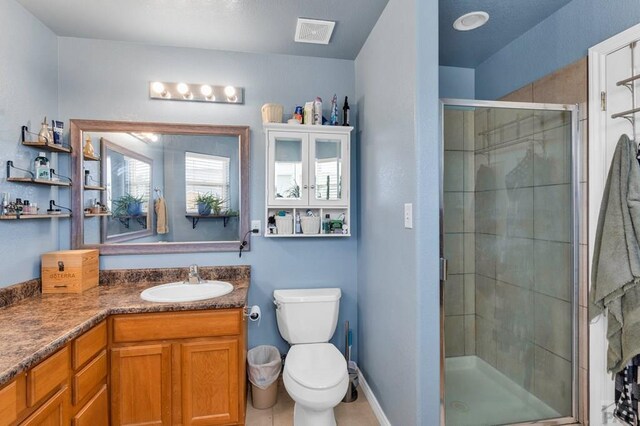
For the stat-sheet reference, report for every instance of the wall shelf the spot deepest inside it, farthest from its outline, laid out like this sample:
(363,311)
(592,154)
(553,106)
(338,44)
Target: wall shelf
(90,157)
(94,188)
(38,181)
(34,216)
(125,220)
(195,218)
(47,146)
(97,214)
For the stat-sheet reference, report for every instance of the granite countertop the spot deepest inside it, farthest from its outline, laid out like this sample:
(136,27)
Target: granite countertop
(36,327)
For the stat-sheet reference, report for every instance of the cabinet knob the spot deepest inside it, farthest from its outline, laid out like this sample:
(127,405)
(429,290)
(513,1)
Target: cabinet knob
(313,186)
(305,186)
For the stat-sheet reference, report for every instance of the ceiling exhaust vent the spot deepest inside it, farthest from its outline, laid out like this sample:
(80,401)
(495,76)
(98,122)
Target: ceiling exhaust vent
(314,31)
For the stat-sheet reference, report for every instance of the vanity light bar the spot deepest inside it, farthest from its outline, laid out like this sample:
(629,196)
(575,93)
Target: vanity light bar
(196,92)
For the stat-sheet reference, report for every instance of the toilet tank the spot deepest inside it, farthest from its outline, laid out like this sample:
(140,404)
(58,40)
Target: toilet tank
(307,315)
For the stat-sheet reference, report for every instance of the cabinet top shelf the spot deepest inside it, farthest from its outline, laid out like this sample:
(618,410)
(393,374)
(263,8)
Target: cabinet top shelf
(307,128)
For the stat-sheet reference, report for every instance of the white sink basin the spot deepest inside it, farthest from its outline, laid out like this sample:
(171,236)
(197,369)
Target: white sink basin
(183,292)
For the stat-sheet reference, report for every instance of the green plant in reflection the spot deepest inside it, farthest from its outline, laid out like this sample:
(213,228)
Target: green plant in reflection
(128,205)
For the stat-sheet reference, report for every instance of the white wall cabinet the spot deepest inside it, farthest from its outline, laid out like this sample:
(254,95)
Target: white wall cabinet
(308,172)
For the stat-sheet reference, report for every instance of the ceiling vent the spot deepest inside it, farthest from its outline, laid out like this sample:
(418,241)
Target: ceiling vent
(314,31)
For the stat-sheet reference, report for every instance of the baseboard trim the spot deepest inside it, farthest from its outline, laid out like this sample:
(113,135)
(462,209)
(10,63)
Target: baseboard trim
(373,401)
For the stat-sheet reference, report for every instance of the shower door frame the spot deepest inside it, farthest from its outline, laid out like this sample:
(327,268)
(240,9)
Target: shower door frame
(575,245)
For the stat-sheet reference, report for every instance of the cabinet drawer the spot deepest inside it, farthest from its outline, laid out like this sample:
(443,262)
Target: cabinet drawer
(47,376)
(177,325)
(9,403)
(89,344)
(96,412)
(89,377)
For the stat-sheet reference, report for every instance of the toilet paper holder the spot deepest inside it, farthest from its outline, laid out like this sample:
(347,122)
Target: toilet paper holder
(253,312)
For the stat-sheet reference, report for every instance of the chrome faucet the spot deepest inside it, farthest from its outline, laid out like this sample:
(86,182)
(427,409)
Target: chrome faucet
(194,275)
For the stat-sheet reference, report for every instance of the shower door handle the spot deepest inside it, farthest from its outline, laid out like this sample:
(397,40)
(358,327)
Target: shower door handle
(444,269)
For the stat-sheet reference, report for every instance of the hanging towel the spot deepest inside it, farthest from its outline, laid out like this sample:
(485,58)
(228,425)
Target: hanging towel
(615,274)
(627,393)
(162,226)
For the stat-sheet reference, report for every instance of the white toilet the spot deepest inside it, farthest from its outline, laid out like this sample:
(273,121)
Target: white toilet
(315,372)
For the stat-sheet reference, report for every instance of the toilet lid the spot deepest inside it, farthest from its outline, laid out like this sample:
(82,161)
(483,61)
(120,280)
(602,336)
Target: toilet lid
(316,365)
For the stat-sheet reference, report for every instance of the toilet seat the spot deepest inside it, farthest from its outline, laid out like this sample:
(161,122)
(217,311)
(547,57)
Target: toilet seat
(316,365)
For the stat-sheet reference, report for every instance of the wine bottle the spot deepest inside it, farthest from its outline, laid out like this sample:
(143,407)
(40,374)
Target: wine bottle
(346,113)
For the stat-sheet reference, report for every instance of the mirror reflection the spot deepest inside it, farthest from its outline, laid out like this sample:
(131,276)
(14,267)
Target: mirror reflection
(161,188)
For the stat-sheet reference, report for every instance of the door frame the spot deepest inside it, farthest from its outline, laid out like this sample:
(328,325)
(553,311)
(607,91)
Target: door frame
(599,160)
(575,236)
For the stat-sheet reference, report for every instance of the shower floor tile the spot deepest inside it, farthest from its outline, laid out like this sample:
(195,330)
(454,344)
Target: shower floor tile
(477,394)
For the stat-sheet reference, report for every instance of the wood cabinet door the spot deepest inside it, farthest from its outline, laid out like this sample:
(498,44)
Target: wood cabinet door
(210,381)
(54,412)
(141,385)
(95,412)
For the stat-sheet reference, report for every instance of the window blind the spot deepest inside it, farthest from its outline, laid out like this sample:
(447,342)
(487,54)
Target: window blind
(204,174)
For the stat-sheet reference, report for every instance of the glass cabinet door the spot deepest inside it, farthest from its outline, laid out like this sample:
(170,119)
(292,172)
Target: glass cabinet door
(287,168)
(329,175)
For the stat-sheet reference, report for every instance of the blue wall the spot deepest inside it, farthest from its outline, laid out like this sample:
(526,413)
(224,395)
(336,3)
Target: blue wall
(109,81)
(559,40)
(457,83)
(391,322)
(28,92)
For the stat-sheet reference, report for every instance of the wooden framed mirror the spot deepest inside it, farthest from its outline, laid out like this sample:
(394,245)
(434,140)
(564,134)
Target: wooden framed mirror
(158,187)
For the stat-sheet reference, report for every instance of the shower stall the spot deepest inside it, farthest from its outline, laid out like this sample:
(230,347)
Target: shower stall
(509,240)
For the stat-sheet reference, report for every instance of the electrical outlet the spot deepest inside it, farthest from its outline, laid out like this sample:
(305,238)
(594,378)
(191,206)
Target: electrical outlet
(408,215)
(256,224)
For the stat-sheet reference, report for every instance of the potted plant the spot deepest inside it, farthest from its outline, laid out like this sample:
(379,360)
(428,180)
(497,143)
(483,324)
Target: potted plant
(128,205)
(208,203)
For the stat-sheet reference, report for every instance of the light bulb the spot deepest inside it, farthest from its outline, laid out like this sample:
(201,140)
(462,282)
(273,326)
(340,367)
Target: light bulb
(152,137)
(206,90)
(182,88)
(158,88)
(230,91)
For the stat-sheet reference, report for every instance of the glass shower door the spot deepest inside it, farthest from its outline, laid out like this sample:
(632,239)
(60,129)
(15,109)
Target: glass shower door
(509,235)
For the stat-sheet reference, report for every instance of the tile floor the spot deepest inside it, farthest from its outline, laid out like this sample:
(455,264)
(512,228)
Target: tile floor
(357,413)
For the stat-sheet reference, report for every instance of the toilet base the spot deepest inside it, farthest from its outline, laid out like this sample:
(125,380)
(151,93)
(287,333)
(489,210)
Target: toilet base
(303,416)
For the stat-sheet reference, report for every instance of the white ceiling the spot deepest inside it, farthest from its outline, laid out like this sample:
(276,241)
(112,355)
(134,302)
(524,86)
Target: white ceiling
(265,26)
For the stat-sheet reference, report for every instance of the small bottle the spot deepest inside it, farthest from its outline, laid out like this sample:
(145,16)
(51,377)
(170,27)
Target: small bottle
(87,178)
(26,207)
(317,111)
(5,204)
(42,169)
(326,224)
(19,205)
(334,111)
(298,225)
(346,112)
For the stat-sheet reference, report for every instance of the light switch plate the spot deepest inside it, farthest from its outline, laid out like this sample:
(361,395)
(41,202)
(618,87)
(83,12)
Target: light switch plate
(256,224)
(408,215)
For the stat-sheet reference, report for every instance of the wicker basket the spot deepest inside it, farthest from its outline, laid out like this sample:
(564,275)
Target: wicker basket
(284,225)
(272,113)
(310,224)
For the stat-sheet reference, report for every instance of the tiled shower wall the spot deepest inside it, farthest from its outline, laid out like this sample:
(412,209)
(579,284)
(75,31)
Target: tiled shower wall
(523,249)
(521,309)
(459,231)
(569,86)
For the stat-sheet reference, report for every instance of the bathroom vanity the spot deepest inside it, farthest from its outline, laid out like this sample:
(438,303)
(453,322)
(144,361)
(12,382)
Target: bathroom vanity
(192,363)
(106,357)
